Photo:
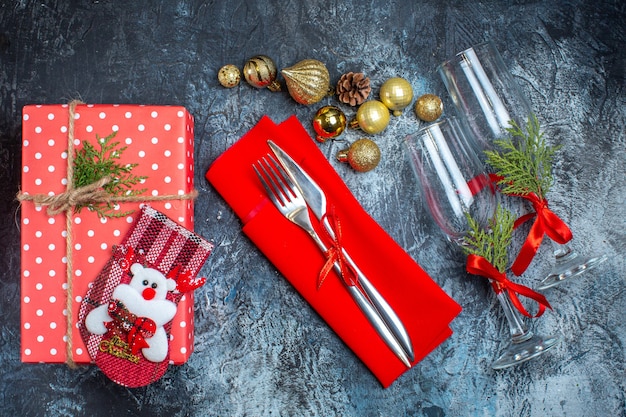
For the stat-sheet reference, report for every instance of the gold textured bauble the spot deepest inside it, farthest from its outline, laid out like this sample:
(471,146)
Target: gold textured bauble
(308,81)
(229,76)
(396,93)
(329,122)
(428,107)
(363,155)
(372,117)
(260,71)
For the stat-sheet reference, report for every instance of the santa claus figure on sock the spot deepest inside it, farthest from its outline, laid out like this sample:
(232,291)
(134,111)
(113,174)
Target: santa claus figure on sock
(137,313)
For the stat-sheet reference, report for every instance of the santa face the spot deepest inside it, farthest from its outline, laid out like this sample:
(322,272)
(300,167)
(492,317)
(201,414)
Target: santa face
(150,283)
(146,294)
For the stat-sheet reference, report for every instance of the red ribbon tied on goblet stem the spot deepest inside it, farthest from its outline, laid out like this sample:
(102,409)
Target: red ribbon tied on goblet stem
(334,251)
(546,223)
(478,265)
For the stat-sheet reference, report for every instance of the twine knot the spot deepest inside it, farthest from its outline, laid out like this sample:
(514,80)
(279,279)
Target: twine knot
(82,196)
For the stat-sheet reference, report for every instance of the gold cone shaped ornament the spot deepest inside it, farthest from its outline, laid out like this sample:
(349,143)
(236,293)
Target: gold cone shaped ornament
(308,81)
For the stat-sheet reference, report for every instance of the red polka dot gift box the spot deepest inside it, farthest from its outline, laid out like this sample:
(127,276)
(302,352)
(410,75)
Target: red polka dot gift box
(154,144)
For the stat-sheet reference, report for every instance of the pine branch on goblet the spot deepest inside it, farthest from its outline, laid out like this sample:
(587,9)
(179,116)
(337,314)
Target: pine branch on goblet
(491,244)
(524,162)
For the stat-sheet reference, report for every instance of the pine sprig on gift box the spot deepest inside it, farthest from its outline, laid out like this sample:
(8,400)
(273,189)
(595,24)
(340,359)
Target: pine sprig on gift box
(491,243)
(92,163)
(524,161)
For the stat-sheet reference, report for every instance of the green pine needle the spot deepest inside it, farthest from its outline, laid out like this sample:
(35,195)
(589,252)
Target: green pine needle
(492,244)
(526,165)
(93,163)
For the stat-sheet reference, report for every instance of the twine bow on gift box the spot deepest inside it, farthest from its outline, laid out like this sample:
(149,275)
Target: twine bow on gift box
(75,198)
(72,197)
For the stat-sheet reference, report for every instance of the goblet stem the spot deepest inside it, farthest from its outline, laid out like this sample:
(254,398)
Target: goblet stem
(569,264)
(524,345)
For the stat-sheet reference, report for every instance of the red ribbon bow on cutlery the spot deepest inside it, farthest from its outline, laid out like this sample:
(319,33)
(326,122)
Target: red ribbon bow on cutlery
(334,253)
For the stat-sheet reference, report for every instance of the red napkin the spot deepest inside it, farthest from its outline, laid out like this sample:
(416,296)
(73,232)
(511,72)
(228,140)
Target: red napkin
(424,308)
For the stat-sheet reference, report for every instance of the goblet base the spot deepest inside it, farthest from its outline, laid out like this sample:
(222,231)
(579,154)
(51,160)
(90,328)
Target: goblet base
(569,265)
(525,348)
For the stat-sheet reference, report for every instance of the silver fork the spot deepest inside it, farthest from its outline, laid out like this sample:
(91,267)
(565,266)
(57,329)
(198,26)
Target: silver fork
(289,201)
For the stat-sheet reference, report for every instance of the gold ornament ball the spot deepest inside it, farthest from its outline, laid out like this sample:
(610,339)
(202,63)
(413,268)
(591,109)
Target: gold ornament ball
(260,71)
(372,117)
(363,155)
(396,93)
(329,122)
(229,76)
(428,107)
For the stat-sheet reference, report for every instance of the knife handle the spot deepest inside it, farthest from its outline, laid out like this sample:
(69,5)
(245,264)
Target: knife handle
(372,310)
(384,309)
(380,304)
(378,324)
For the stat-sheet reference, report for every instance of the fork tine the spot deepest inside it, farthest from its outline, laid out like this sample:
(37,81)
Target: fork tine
(273,181)
(268,189)
(281,178)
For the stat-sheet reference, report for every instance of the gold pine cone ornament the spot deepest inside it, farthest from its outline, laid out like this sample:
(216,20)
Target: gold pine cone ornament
(308,81)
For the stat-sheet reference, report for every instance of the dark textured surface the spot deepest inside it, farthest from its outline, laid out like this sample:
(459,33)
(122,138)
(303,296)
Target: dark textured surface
(259,350)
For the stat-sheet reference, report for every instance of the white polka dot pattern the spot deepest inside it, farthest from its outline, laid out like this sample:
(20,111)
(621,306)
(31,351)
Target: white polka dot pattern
(160,139)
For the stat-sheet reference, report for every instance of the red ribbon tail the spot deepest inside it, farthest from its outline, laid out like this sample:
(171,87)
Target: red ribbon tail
(328,266)
(529,249)
(555,228)
(523,219)
(541,300)
(546,223)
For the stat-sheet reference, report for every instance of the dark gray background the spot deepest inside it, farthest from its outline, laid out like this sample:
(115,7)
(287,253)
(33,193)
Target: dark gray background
(260,351)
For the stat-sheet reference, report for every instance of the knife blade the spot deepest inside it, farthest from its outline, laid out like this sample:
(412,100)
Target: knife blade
(316,200)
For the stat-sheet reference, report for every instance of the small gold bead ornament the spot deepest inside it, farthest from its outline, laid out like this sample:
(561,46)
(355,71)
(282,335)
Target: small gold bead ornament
(328,123)
(428,107)
(363,155)
(229,76)
(396,93)
(372,117)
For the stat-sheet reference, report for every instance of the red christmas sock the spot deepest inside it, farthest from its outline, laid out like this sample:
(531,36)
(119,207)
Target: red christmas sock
(125,319)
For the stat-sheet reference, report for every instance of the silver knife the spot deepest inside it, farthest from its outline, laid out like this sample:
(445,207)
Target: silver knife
(316,200)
